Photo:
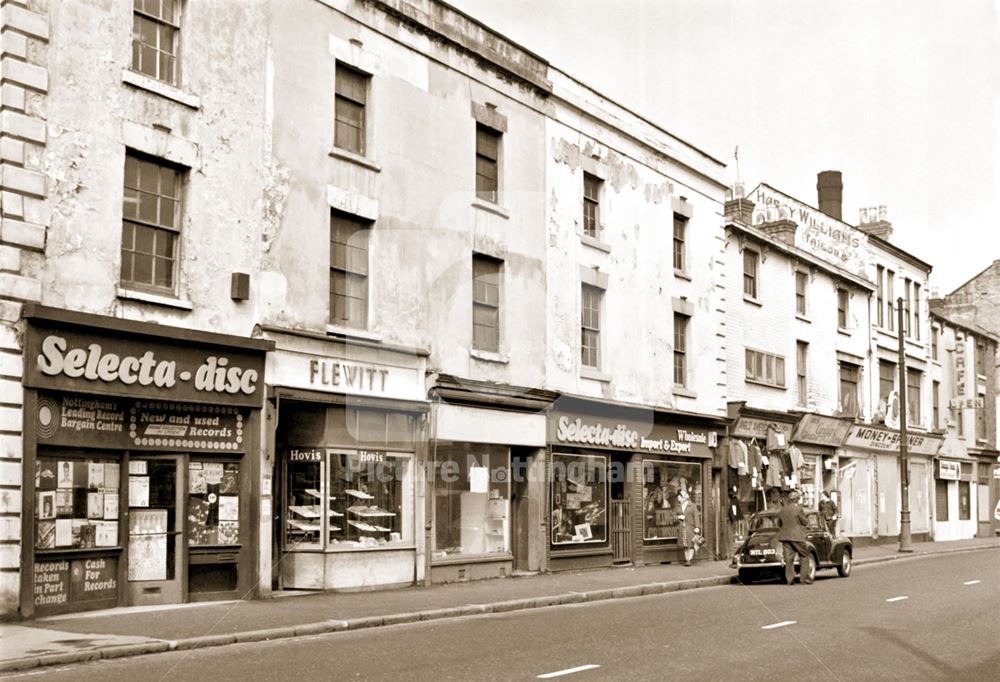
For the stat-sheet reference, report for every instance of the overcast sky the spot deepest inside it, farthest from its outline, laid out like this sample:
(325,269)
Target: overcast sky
(902,96)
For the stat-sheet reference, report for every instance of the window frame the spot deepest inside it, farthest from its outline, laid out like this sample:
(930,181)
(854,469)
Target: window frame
(681,323)
(158,228)
(680,242)
(751,283)
(843,367)
(936,404)
(160,22)
(595,297)
(913,397)
(801,300)
(890,287)
(763,368)
(880,295)
(843,307)
(486,297)
(592,190)
(346,273)
(490,189)
(892,376)
(343,99)
(802,371)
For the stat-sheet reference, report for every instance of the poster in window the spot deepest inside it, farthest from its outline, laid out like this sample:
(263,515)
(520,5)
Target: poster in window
(88,534)
(64,503)
(147,522)
(45,535)
(137,467)
(147,557)
(45,474)
(198,531)
(46,504)
(64,532)
(196,479)
(111,506)
(229,508)
(230,483)
(65,474)
(112,472)
(138,491)
(479,479)
(229,532)
(95,505)
(107,533)
(584,531)
(213,473)
(95,475)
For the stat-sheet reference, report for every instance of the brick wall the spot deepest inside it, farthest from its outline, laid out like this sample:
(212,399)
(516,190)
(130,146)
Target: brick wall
(24,220)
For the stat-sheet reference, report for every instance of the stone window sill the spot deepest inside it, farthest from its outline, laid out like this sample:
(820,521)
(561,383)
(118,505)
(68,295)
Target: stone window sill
(490,207)
(800,316)
(356,159)
(144,82)
(350,332)
(845,332)
(594,243)
(684,392)
(594,374)
(761,383)
(489,356)
(753,301)
(681,274)
(156,299)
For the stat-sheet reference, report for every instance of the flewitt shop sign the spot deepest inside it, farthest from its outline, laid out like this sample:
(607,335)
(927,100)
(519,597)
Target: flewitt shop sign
(136,367)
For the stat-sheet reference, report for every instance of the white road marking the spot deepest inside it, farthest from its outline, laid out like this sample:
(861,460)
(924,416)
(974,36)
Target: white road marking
(568,671)
(897,599)
(778,625)
(971,582)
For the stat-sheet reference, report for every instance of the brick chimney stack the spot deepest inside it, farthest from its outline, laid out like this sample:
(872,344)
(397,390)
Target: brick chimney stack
(874,221)
(738,208)
(830,187)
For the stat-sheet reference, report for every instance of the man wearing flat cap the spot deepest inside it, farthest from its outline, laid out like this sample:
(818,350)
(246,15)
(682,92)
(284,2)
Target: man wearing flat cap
(792,534)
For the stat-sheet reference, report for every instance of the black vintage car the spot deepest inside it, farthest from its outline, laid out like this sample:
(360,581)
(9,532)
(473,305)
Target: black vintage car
(760,554)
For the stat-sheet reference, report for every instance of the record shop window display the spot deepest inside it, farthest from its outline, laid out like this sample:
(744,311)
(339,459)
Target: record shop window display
(471,500)
(77,500)
(579,499)
(662,483)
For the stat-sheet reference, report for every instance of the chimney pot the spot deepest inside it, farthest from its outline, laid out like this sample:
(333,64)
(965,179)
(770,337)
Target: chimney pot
(830,188)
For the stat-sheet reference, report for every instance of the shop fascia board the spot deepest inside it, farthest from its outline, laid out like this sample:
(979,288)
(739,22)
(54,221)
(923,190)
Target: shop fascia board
(321,343)
(568,402)
(451,389)
(47,314)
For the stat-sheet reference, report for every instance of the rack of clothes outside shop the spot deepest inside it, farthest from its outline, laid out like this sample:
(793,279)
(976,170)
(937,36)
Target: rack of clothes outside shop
(760,474)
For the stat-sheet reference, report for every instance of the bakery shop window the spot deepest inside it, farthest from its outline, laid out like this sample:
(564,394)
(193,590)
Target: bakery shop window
(662,483)
(213,503)
(76,502)
(348,499)
(579,499)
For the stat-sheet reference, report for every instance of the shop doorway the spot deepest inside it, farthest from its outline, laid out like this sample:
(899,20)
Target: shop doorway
(519,512)
(155,538)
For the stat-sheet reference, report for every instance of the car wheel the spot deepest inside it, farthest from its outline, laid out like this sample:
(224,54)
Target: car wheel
(746,577)
(811,575)
(844,568)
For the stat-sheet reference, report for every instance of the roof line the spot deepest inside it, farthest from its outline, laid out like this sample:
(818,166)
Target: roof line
(976,276)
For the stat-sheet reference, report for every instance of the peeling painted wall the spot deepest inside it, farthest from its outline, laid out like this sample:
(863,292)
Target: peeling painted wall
(93,114)
(425,229)
(635,252)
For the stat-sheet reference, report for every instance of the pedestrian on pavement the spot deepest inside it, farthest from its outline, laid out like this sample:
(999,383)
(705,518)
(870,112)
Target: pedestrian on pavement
(792,535)
(828,510)
(688,515)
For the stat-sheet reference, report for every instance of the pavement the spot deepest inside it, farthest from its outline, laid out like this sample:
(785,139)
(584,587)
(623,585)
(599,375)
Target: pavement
(134,631)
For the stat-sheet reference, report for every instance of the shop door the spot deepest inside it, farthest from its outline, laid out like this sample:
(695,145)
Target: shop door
(888,495)
(155,547)
(621,534)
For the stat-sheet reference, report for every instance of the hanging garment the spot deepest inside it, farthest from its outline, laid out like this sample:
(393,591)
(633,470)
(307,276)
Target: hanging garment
(775,439)
(755,462)
(745,487)
(795,455)
(738,455)
(774,473)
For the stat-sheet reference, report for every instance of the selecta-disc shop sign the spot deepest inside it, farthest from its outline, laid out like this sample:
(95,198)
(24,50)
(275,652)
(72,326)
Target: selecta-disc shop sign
(71,361)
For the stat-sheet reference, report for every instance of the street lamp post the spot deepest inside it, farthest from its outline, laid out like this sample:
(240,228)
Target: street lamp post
(905,544)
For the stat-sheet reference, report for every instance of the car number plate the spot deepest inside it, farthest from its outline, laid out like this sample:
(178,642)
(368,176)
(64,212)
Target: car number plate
(767,551)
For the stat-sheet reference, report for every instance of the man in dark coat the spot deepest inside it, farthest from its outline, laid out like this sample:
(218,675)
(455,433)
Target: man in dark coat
(828,510)
(792,534)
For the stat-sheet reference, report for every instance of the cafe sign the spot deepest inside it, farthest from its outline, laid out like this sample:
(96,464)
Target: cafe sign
(884,440)
(949,471)
(142,367)
(966,403)
(814,428)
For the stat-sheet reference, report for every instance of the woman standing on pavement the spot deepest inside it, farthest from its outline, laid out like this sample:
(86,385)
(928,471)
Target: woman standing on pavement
(689,517)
